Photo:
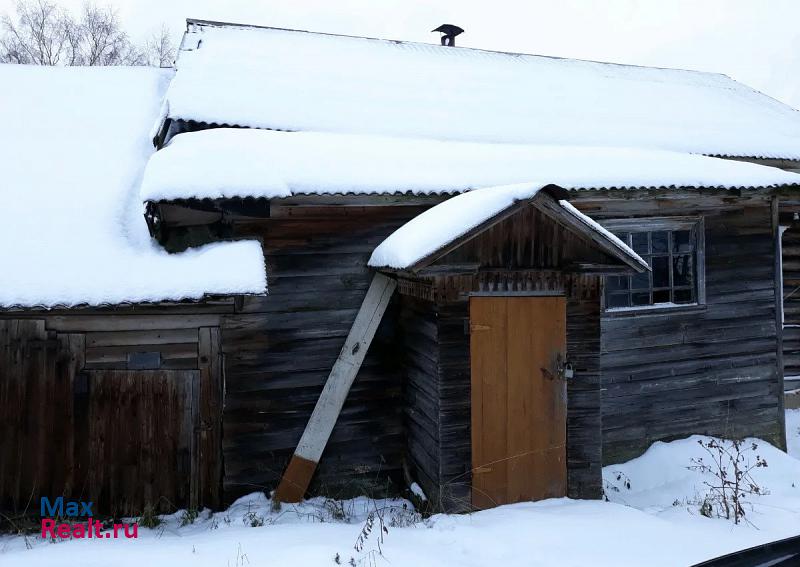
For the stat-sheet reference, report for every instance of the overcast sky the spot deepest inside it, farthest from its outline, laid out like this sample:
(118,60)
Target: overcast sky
(754,41)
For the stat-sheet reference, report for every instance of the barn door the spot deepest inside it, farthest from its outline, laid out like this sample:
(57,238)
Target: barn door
(517,346)
(139,435)
(31,413)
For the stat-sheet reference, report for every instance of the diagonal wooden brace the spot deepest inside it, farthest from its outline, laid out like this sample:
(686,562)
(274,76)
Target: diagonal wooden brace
(301,468)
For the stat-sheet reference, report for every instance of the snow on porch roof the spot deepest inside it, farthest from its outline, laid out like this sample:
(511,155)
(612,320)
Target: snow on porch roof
(432,233)
(73,144)
(235,162)
(301,81)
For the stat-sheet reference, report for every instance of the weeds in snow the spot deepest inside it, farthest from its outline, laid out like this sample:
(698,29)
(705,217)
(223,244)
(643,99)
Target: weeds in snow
(241,558)
(730,465)
(375,529)
(149,518)
(189,516)
(620,477)
(252,519)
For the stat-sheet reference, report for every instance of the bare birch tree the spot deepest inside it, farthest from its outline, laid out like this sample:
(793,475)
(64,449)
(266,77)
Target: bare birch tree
(42,33)
(159,49)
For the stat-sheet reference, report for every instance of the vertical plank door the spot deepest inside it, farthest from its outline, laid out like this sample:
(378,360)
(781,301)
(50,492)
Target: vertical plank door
(518,399)
(140,437)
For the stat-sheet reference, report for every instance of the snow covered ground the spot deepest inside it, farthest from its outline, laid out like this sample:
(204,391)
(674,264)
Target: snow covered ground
(655,521)
(793,432)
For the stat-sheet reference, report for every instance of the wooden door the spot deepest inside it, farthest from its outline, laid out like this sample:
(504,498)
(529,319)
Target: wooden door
(139,439)
(31,414)
(519,400)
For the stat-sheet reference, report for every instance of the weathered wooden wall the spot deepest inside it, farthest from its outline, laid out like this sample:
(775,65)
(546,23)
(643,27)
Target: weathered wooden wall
(420,338)
(82,414)
(526,240)
(711,369)
(280,348)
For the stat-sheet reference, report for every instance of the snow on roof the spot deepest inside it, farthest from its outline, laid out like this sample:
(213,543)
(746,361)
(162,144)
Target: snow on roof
(445,223)
(73,144)
(236,162)
(294,80)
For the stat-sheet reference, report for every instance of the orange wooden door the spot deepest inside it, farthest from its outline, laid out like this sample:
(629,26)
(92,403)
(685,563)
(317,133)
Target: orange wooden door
(519,402)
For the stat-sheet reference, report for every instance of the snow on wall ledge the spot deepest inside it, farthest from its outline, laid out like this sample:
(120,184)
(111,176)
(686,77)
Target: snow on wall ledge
(73,146)
(327,83)
(229,162)
(440,225)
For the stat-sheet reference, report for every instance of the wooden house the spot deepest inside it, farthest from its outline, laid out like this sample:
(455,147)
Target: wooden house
(441,305)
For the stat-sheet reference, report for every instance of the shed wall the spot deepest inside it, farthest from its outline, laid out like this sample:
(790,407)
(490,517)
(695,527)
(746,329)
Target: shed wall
(279,350)
(712,369)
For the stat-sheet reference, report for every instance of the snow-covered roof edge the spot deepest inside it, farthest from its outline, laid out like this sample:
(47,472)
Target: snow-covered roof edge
(440,229)
(237,163)
(91,126)
(219,24)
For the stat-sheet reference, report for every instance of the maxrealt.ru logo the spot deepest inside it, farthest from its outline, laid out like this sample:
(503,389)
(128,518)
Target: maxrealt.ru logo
(62,519)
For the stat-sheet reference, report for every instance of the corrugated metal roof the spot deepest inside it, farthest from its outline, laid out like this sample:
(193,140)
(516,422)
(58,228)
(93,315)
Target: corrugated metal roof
(303,81)
(229,163)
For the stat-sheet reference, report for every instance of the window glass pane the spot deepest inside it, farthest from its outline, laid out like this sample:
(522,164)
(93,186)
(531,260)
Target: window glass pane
(660,242)
(671,255)
(639,242)
(661,296)
(682,273)
(681,242)
(640,281)
(660,265)
(618,300)
(617,283)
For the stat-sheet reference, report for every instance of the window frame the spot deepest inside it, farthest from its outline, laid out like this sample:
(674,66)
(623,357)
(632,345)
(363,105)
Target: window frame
(696,225)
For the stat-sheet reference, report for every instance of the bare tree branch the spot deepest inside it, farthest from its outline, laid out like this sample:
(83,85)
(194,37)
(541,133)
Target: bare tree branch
(42,33)
(159,49)
(38,36)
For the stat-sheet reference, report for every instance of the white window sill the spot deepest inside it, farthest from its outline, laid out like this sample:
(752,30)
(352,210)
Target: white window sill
(657,309)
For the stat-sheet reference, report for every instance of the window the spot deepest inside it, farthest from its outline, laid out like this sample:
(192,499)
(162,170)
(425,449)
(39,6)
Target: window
(674,249)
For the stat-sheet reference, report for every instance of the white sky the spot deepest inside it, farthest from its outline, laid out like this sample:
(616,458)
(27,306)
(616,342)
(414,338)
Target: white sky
(754,41)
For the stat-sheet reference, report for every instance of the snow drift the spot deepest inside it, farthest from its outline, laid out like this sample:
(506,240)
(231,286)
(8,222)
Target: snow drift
(654,522)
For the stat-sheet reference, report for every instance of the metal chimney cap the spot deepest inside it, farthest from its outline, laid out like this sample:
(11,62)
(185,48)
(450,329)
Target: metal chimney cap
(449,33)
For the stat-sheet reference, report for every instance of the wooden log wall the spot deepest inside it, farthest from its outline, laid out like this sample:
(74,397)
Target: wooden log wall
(279,350)
(420,338)
(121,405)
(585,445)
(455,458)
(711,369)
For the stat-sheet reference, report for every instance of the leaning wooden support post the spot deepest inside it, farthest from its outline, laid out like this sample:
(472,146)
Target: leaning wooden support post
(301,468)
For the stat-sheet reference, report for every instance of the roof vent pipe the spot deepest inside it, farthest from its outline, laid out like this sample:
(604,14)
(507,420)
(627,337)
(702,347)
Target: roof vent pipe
(449,33)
